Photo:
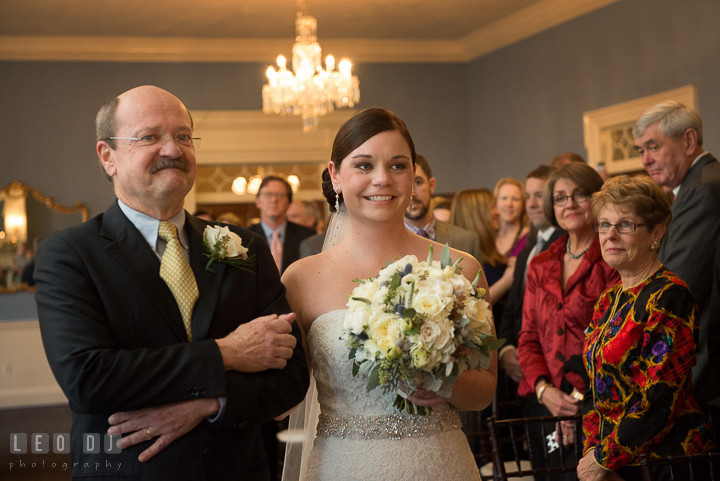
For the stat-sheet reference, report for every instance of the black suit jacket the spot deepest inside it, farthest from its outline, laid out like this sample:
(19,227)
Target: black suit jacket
(294,235)
(115,340)
(512,314)
(689,249)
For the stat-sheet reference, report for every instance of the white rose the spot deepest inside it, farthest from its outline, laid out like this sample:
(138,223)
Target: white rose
(357,317)
(365,290)
(428,302)
(445,289)
(233,246)
(385,330)
(445,335)
(429,332)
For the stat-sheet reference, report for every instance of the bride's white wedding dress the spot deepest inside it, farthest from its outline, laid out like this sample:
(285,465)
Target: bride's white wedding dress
(361,436)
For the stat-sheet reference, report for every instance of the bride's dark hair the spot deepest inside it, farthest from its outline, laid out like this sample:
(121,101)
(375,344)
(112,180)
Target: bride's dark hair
(356,132)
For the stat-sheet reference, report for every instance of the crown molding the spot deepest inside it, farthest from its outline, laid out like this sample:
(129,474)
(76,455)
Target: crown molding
(525,23)
(520,25)
(177,49)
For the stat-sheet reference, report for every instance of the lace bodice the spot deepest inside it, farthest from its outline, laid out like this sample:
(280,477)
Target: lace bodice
(362,436)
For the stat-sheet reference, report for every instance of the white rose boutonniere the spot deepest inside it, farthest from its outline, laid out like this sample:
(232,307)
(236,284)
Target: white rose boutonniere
(223,245)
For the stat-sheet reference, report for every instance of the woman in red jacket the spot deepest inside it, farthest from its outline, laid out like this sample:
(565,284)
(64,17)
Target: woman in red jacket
(563,284)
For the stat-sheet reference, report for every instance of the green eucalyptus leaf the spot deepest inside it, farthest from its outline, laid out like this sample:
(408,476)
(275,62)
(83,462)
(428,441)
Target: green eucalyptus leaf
(374,378)
(362,299)
(495,344)
(445,257)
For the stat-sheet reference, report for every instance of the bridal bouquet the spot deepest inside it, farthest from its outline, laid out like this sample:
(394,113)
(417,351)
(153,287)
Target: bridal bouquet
(421,324)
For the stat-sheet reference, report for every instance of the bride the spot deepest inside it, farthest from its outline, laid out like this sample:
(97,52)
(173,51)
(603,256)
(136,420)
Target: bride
(360,435)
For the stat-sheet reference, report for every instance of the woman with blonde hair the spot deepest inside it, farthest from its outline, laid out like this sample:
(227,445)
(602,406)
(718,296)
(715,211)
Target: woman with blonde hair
(472,209)
(514,226)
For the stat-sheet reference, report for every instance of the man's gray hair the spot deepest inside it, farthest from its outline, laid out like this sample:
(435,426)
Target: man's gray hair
(674,119)
(105,126)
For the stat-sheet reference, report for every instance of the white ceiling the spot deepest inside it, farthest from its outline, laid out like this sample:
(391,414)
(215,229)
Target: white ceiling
(217,30)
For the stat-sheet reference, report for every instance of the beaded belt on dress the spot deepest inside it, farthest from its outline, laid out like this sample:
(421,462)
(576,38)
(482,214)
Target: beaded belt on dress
(388,426)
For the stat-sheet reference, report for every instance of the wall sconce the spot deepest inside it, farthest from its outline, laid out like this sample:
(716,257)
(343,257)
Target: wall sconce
(239,186)
(15,218)
(294,182)
(254,184)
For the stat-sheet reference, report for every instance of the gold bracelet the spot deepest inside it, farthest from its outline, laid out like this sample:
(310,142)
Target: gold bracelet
(540,391)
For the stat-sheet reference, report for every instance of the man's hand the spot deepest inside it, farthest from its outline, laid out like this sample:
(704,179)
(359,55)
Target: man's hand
(261,344)
(167,423)
(511,364)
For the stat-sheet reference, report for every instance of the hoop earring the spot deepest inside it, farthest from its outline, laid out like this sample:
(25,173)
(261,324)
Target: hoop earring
(337,199)
(655,246)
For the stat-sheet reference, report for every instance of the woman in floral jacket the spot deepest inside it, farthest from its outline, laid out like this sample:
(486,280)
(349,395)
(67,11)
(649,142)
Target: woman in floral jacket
(639,348)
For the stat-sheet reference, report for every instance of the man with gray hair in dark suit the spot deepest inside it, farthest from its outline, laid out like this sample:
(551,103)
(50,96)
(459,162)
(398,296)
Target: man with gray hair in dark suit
(669,139)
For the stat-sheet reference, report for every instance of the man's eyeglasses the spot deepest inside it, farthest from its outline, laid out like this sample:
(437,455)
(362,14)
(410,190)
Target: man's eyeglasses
(622,227)
(578,197)
(277,195)
(186,140)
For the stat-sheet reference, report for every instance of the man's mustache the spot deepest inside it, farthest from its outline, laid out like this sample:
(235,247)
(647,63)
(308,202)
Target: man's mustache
(179,163)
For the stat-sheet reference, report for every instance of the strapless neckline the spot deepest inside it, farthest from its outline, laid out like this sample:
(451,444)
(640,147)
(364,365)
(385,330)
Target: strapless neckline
(326,315)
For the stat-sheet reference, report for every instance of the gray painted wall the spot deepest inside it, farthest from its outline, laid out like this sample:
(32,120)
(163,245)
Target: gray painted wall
(497,116)
(47,113)
(526,101)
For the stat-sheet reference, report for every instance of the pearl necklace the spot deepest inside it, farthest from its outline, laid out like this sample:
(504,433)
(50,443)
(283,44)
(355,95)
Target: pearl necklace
(567,249)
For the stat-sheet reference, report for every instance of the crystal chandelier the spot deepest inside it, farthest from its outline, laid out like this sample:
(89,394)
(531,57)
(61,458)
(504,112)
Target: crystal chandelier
(311,91)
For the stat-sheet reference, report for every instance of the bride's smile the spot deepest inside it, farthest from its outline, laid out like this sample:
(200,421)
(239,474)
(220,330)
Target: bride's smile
(368,184)
(377,175)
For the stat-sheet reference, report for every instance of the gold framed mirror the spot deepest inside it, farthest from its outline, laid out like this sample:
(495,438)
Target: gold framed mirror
(26,216)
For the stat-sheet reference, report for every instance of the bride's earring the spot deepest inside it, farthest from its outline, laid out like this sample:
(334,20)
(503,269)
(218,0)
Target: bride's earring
(337,199)
(410,207)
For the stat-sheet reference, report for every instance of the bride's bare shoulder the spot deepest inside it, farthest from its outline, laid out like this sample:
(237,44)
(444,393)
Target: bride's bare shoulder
(302,269)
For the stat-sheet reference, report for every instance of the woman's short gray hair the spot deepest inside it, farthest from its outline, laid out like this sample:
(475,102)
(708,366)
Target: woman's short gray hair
(674,119)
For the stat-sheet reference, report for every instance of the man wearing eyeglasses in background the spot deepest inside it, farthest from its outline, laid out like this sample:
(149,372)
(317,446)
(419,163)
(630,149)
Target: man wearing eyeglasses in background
(146,342)
(669,138)
(284,237)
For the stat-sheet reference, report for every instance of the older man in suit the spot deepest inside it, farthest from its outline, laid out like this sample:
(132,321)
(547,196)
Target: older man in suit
(669,139)
(183,360)
(420,220)
(284,237)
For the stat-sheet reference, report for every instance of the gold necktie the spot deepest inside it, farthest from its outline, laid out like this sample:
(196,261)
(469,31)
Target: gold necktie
(177,274)
(276,249)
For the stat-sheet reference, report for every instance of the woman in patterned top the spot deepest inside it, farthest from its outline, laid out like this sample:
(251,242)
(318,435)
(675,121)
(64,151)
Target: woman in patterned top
(639,347)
